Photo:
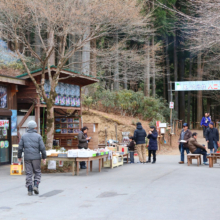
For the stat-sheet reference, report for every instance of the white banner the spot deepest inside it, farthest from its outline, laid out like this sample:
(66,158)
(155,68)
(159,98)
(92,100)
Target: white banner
(197,85)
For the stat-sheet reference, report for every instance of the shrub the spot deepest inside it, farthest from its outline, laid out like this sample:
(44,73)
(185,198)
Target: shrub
(128,102)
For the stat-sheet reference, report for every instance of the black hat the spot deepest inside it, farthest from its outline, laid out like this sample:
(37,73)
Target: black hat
(138,123)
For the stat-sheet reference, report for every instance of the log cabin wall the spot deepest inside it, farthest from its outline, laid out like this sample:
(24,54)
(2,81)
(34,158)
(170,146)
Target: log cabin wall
(93,133)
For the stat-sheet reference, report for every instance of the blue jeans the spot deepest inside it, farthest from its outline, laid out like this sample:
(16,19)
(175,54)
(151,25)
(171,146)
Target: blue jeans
(182,151)
(215,147)
(203,152)
(132,156)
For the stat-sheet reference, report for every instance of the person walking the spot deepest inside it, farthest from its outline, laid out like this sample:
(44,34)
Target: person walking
(152,148)
(83,143)
(139,137)
(212,137)
(185,135)
(196,148)
(205,123)
(32,145)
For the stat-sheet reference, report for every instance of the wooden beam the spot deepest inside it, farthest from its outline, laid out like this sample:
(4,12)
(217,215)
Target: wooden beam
(12,80)
(26,116)
(60,107)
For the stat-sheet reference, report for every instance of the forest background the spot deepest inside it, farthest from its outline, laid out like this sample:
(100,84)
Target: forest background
(137,63)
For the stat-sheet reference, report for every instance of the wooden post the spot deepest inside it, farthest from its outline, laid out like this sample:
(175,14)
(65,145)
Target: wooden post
(116,134)
(105,136)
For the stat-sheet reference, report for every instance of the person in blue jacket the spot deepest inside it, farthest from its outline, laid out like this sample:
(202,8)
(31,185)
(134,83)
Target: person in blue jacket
(152,148)
(205,123)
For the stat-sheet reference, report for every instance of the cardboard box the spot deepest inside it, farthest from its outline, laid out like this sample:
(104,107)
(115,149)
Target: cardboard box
(114,149)
(123,149)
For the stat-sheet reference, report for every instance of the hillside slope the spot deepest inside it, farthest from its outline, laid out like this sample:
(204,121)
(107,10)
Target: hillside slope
(124,124)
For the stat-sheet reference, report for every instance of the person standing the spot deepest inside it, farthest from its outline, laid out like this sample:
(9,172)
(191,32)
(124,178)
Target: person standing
(131,148)
(139,137)
(185,135)
(152,148)
(83,143)
(196,148)
(205,123)
(32,145)
(212,137)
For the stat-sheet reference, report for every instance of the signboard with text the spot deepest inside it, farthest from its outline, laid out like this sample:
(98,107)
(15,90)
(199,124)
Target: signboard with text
(171,105)
(197,85)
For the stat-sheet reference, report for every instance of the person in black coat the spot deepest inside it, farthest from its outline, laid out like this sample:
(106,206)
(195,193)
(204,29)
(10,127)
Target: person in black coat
(139,137)
(131,148)
(152,148)
(212,137)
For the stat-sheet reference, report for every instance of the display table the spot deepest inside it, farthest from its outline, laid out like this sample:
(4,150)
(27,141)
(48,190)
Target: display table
(126,155)
(90,159)
(69,159)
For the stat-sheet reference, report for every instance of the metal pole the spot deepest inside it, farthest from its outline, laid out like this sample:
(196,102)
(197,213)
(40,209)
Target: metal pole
(171,100)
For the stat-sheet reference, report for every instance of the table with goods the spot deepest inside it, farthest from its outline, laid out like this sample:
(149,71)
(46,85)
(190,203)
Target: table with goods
(108,157)
(76,156)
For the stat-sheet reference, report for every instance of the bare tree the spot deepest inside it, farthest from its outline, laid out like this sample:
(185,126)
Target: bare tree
(60,19)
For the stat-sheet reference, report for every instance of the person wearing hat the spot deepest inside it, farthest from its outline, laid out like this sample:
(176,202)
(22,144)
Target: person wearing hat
(32,145)
(212,137)
(185,135)
(139,137)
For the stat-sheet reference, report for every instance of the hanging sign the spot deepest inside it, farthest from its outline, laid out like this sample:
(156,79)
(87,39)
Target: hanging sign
(171,105)
(197,85)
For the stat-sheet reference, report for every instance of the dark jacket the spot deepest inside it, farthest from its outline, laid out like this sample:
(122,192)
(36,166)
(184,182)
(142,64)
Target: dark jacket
(212,135)
(152,141)
(32,144)
(205,121)
(140,135)
(193,145)
(131,146)
(83,143)
(188,135)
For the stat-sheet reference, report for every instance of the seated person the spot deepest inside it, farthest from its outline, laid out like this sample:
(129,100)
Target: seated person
(196,148)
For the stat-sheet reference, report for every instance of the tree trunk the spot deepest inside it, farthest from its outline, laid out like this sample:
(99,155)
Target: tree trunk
(189,93)
(193,109)
(182,94)
(86,55)
(208,105)
(199,94)
(93,58)
(50,126)
(116,73)
(168,68)
(37,46)
(147,72)
(153,63)
(125,75)
(51,42)
(176,76)
(76,60)
(153,70)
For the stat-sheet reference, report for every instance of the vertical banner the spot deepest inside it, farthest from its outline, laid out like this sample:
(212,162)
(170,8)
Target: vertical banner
(14,123)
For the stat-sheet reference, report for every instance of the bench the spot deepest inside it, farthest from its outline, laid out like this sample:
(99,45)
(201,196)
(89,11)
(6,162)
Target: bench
(194,156)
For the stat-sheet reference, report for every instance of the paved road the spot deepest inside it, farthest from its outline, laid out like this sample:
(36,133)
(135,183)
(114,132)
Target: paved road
(162,191)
